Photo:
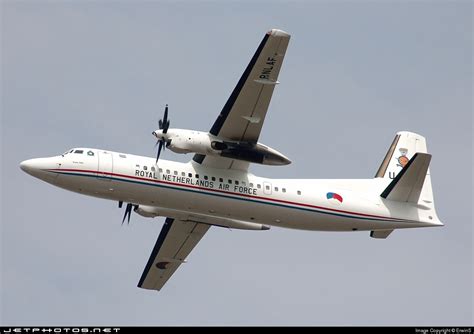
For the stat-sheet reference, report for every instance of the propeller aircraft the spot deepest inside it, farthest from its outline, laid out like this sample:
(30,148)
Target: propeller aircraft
(216,188)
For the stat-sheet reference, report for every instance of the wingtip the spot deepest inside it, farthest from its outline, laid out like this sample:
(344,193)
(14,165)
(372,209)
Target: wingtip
(278,33)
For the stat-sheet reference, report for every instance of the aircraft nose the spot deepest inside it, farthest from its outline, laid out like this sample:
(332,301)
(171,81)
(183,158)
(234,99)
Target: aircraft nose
(27,166)
(39,168)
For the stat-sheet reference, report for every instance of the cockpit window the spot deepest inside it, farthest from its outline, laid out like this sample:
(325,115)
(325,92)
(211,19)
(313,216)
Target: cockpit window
(90,153)
(79,151)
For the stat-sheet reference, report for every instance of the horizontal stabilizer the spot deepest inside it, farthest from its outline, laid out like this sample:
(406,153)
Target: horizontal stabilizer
(407,185)
(381,234)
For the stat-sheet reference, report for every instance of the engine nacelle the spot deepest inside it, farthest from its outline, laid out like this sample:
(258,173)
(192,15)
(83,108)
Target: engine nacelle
(179,145)
(147,211)
(188,141)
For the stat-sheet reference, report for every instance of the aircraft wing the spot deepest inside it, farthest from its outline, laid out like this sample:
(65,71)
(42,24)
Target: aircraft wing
(242,117)
(176,240)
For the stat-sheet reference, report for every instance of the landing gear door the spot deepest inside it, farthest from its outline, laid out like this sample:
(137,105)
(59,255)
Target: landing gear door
(105,165)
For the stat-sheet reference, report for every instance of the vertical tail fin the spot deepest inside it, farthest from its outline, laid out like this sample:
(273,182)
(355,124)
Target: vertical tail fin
(406,176)
(404,147)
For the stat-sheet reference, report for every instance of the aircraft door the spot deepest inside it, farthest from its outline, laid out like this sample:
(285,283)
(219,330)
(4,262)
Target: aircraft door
(106,164)
(267,188)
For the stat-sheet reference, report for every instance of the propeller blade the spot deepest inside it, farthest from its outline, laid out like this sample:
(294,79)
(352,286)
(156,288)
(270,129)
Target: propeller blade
(124,216)
(129,209)
(165,118)
(128,212)
(160,145)
(166,122)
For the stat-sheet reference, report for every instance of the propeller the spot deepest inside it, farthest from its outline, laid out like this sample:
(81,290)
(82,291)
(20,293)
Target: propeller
(128,211)
(163,124)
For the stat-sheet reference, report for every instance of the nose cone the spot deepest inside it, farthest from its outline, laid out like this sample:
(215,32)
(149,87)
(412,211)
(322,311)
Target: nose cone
(28,166)
(40,168)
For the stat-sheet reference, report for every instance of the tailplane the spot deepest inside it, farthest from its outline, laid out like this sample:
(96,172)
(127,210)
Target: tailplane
(407,185)
(406,167)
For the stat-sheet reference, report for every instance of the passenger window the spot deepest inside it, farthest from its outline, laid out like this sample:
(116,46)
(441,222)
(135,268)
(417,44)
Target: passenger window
(221,179)
(237,182)
(251,185)
(190,175)
(197,176)
(175,173)
(145,167)
(213,178)
(152,169)
(138,166)
(229,181)
(243,183)
(276,188)
(205,177)
(79,151)
(283,190)
(267,187)
(183,174)
(298,192)
(161,170)
(259,186)
(168,171)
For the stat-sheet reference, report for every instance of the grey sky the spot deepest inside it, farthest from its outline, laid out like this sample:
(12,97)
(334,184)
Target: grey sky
(98,74)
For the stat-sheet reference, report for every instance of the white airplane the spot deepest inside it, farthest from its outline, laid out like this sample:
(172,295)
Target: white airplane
(216,189)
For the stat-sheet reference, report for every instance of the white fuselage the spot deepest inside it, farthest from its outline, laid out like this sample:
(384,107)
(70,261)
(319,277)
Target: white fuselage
(229,194)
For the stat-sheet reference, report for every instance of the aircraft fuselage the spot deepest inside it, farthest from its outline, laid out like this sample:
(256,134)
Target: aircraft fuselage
(326,205)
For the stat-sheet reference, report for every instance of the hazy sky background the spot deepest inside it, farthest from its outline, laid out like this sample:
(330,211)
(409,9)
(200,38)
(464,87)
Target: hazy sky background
(98,74)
